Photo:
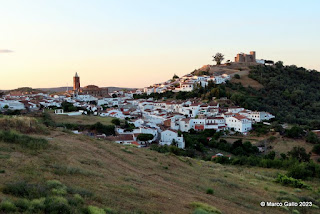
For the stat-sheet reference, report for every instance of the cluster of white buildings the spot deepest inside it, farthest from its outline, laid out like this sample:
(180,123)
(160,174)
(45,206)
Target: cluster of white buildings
(186,83)
(166,120)
(170,119)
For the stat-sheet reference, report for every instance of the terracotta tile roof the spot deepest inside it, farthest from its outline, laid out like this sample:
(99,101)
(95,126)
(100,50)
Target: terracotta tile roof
(240,117)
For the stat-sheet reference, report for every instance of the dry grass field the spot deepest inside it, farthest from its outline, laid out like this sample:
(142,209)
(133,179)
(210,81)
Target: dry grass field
(136,180)
(233,69)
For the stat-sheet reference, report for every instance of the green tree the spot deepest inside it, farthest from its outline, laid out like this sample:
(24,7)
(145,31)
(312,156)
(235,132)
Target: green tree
(218,58)
(300,154)
(145,137)
(316,149)
(295,132)
(115,121)
(175,77)
(312,138)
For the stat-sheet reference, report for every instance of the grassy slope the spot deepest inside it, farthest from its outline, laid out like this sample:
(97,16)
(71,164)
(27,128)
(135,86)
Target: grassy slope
(81,119)
(132,179)
(234,69)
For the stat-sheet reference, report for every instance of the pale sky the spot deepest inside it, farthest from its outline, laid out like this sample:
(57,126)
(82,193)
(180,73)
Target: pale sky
(135,43)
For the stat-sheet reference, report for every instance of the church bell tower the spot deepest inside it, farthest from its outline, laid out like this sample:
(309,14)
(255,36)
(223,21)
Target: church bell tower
(76,83)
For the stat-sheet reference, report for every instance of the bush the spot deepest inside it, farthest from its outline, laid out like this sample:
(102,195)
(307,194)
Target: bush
(103,129)
(75,200)
(115,121)
(145,137)
(57,204)
(95,210)
(210,191)
(316,149)
(24,190)
(55,184)
(300,154)
(22,204)
(37,205)
(204,208)
(289,181)
(312,138)
(7,207)
(237,76)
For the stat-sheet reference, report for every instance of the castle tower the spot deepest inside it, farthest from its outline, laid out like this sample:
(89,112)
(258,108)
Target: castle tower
(253,53)
(76,82)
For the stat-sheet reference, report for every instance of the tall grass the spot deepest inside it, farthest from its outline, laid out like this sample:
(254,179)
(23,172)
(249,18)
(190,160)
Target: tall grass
(23,140)
(22,124)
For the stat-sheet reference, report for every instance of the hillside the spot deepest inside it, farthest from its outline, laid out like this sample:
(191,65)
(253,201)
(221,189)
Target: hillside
(290,93)
(25,90)
(135,180)
(231,69)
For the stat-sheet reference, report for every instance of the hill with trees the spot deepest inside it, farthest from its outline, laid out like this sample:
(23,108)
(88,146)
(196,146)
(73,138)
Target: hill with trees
(291,93)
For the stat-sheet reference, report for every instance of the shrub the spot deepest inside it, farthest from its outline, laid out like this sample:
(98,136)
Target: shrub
(7,207)
(59,191)
(22,204)
(299,171)
(312,138)
(300,154)
(289,181)
(57,204)
(37,205)
(25,190)
(47,120)
(75,200)
(316,149)
(104,129)
(115,121)
(95,210)
(145,137)
(210,191)
(55,184)
(204,208)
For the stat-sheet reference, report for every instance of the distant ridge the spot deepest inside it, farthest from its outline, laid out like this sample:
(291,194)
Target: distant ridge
(62,89)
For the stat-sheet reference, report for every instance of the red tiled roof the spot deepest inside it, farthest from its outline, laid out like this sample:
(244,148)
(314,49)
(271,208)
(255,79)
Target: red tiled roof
(240,117)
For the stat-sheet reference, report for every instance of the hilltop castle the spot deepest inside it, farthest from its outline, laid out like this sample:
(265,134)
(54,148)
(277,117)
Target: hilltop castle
(242,57)
(92,90)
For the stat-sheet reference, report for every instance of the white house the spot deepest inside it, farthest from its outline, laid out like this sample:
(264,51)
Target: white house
(148,90)
(186,86)
(257,116)
(239,123)
(168,136)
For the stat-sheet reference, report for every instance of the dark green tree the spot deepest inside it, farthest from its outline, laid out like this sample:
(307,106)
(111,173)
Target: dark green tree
(300,154)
